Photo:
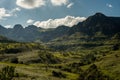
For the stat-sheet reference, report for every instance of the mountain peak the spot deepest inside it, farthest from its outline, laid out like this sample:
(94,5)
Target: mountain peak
(96,18)
(32,27)
(18,26)
(99,15)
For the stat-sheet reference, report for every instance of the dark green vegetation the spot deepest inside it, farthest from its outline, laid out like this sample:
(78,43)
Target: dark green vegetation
(7,73)
(87,51)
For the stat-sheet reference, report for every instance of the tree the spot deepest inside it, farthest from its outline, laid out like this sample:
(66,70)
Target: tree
(89,58)
(93,73)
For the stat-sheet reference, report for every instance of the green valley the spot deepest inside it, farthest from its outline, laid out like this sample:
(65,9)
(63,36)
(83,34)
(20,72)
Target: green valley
(89,50)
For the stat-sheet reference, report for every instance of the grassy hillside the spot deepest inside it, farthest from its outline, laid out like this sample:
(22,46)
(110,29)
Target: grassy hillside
(78,61)
(87,51)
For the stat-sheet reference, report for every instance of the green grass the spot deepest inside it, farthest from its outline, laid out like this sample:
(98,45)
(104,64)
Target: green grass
(107,60)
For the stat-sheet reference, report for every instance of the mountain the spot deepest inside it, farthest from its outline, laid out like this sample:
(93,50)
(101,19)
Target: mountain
(2,30)
(89,50)
(33,33)
(98,24)
(21,34)
(4,39)
(55,33)
(96,30)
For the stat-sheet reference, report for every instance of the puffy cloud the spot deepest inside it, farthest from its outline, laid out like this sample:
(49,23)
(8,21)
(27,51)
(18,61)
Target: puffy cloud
(8,13)
(53,23)
(70,5)
(4,13)
(30,21)
(109,5)
(59,2)
(30,4)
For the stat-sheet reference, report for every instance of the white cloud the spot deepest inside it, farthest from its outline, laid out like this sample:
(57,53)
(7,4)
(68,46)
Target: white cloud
(8,13)
(16,9)
(13,11)
(53,23)
(59,2)
(30,4)
(8,26)
(4,13)
(30,21)
(109,5)
(70,5)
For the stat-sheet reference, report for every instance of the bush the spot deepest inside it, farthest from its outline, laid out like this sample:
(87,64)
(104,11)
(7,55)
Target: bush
(93,73)
(58,74)
(73,67)
(46,56)
(7,73)
(15,50)
(13,60)
(115,47)
(89,58)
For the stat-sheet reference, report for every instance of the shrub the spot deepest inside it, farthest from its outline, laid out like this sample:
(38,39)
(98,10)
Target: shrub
(58,74)
(13,60)
(15,50)
(7,73)
(89,58)
(73,67)
(93,73)
(115,47)
(46,56)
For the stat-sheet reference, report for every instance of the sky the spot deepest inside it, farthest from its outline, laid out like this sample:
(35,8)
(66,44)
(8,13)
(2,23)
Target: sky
(53,13)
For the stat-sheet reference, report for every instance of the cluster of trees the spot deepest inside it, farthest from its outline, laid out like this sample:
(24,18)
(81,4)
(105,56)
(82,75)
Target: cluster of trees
(48,57)
(18,47)
(72,68)
(88,59)
(93,73)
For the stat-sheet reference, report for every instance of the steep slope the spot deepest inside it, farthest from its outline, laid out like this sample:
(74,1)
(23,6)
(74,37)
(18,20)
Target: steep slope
(55,33)
(4,39)
(98,23)
(2,30)
(33,33)
(27,34)
(96,30)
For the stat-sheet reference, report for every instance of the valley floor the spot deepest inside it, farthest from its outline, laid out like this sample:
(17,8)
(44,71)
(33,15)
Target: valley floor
(41,63)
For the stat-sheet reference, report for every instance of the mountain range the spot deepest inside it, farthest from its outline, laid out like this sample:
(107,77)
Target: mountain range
(97,24)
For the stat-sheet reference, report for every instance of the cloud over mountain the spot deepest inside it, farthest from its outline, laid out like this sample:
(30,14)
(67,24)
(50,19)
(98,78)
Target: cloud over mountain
(8,26)
(30,4)
(30,21)
(53,23)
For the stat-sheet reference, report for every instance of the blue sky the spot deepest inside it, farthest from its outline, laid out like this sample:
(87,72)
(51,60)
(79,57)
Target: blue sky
(52,13)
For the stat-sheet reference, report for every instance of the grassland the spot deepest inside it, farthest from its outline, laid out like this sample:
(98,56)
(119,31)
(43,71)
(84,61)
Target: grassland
(34,61)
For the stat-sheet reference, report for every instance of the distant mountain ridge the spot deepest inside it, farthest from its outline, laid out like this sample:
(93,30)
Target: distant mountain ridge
(98,23)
